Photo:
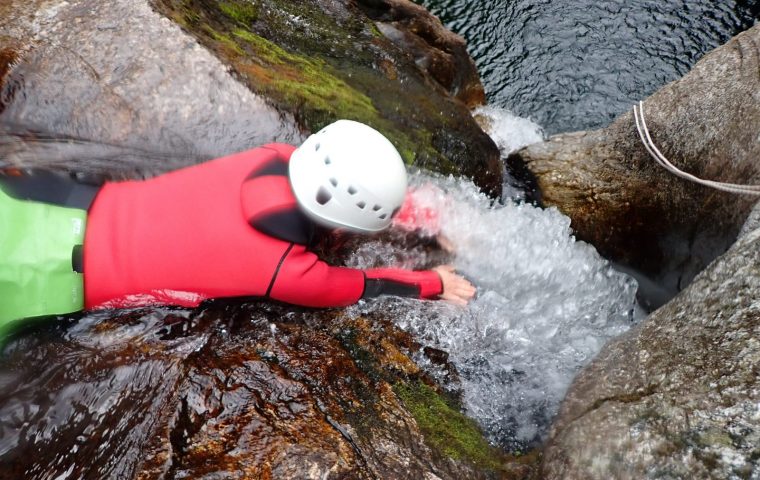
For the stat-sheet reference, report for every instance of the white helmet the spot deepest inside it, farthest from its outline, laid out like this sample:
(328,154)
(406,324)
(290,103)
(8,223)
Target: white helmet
(348,175)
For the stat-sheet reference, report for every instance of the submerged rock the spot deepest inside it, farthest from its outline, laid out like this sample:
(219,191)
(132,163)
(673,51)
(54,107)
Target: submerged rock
(634,211)
(233,391)
(677,396)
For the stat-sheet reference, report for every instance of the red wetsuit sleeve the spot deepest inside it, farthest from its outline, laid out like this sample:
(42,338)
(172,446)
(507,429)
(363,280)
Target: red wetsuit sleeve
(305,280)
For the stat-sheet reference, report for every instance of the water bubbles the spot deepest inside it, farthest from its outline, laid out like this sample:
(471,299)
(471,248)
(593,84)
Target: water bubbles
(546,305)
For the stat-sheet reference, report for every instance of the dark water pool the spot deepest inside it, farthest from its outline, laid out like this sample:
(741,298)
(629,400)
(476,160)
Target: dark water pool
(576,64)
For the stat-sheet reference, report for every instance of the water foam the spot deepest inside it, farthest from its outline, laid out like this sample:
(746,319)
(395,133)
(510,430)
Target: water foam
(510,133)
(546,305)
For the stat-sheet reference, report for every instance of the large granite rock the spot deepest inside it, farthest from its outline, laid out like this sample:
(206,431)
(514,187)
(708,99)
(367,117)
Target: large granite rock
(230,391)
(678,396)
(117,86)
(113,87)
(632,209)
(387,63)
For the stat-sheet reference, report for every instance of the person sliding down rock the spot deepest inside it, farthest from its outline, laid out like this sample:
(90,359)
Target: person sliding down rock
(237,226)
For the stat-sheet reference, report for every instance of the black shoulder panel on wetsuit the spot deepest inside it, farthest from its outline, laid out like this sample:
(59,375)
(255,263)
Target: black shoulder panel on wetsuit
(49,187)
(376,287)
(290,225)
(274,167)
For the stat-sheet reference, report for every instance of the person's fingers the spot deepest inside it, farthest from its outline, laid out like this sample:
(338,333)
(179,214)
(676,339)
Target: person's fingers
(459,297)
(456,289)
(454,299)
(464,296)
(460,287)
(464,293)
(462,284)
(460,280)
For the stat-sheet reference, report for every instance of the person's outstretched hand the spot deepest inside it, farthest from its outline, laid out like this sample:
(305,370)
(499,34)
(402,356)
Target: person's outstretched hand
(456,289)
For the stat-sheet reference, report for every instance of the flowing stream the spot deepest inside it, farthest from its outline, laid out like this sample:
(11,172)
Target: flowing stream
(546,303)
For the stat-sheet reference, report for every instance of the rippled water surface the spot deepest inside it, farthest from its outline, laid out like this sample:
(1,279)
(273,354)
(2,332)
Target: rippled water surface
(576,64)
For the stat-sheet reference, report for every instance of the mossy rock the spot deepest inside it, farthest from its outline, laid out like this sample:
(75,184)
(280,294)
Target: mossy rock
(454,435)
(233,390)
(321,62)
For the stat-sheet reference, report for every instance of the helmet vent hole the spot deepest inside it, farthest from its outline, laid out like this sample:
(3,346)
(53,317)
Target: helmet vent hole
(334,182)
(376,208)
(328,161)
(352,191)
(323,196)
(395,211)
(316,148)
(383,216)
(361,205)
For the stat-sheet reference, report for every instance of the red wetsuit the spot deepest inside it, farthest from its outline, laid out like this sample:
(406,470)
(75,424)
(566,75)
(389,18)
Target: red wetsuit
(225,228)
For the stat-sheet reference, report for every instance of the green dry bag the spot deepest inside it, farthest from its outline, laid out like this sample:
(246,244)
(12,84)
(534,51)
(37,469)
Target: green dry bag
(36,274)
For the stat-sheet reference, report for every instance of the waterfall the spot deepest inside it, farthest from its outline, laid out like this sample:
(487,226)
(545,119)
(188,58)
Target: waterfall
(546,302)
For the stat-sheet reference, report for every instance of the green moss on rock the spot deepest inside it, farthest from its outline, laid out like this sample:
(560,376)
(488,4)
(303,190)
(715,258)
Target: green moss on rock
(242,12)
(225,42)
(321,65)
(445,428)
(320,92)
(311,83)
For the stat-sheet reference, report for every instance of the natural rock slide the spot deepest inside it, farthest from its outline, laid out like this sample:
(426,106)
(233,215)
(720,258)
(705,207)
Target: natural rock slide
(251,390)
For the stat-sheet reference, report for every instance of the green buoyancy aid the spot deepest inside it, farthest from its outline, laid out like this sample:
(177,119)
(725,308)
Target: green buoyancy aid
(36,273)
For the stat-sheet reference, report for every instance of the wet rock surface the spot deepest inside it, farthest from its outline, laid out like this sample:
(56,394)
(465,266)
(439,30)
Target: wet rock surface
(112,86)
(676,397)
(117,80)
(386,63)
(234,391)
(441,53)
(634,211)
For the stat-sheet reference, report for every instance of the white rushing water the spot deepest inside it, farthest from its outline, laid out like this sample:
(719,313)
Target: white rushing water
(546,303)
